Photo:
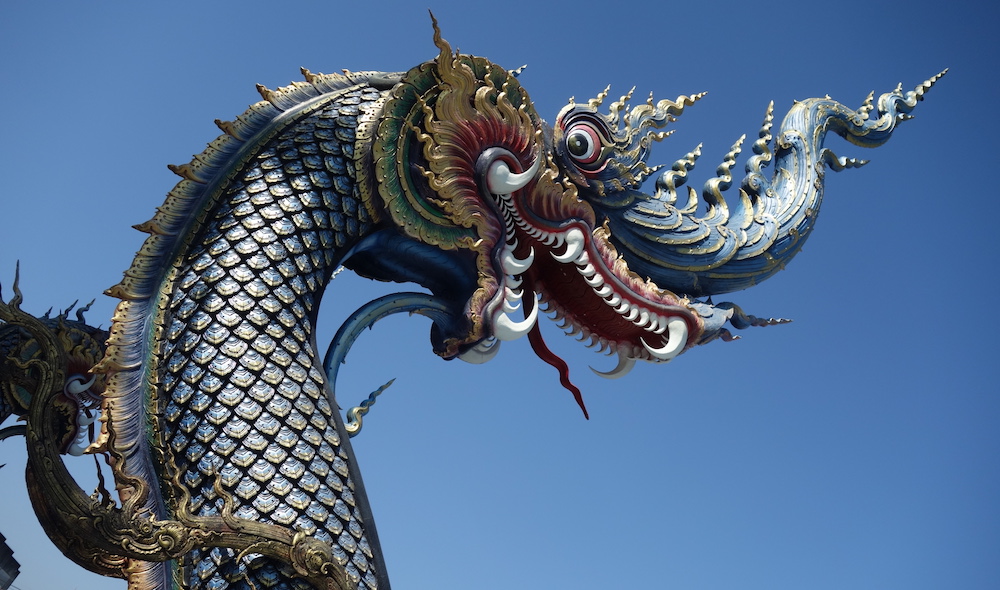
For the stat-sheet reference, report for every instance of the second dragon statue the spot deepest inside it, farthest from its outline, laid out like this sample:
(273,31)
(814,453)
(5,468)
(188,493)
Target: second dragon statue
(216,412)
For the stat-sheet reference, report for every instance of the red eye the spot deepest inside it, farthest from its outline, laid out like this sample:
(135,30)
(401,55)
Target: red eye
(583,143)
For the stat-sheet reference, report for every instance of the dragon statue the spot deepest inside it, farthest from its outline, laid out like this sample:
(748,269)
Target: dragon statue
(208,397)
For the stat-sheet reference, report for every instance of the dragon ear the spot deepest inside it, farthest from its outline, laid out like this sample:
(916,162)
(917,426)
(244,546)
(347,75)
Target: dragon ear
(436,124)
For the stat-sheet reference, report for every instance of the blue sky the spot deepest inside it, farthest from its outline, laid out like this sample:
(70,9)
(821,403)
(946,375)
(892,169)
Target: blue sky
(854,448)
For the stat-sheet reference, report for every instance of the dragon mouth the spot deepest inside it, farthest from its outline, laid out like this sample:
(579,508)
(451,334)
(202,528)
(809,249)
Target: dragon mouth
(578,278)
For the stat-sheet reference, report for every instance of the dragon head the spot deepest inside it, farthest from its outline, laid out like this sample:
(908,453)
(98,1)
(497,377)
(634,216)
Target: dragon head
(463,162)
(525,216)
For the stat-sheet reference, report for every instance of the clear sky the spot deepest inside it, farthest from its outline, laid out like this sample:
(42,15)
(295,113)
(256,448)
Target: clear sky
(857,447)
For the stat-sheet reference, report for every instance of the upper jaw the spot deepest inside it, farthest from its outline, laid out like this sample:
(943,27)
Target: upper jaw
(581,280)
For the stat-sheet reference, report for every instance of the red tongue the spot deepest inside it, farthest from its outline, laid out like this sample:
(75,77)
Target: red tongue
(543,352)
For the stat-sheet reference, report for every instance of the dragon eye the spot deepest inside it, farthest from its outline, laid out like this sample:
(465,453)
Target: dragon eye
(583,143)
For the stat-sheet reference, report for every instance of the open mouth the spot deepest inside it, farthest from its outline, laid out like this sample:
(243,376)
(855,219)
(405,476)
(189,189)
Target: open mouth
(575,275)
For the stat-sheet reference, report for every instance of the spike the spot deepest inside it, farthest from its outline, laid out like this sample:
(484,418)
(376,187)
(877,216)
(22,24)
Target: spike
(185,171)
(309,76)
(923,88)
(64,314)
(597,101)
(615,108)
(674,108)
(150,227)
(227,127)
(867,106)
(517,71)
(83,310)
(15,301)
(265,92)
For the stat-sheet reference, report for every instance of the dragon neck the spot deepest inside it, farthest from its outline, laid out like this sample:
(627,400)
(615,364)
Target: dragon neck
(231,388)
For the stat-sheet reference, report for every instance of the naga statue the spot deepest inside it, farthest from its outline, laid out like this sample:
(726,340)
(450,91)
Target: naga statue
(208,395)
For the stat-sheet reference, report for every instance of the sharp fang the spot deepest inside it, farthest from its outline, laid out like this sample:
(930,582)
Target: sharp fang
(515,266)
(625,364)
(622,307)
(76,385)
(678,333)
(643,319)
(482,352)
(632,314)
(603,291)
(501,181)
(614,300)
(574,246)
(505,328)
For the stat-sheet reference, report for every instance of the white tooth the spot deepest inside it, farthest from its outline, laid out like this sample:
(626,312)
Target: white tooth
(622,307)
(501,181)
(632,314)
(643,319)
(677,338)
(482,352)
(603,291)
(506,328)
(614,300)
(583,259)
(662,321)
(574,246)
(654,323)
(514,266)
(594,281)
(512,282)
(588,270)
(76,385)
(625,365)
(511,300)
